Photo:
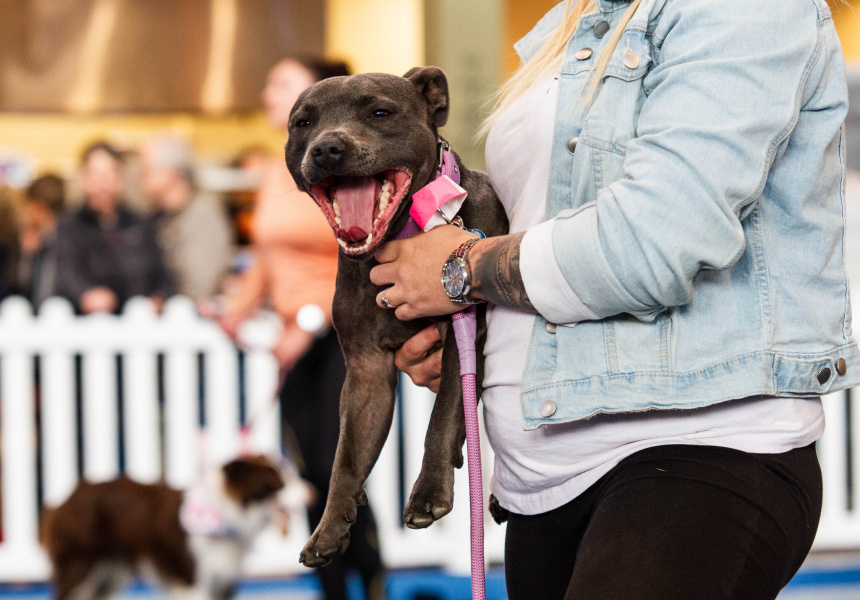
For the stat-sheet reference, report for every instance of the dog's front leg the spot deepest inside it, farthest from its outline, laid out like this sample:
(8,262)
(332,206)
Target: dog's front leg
(432,495)
(366,411)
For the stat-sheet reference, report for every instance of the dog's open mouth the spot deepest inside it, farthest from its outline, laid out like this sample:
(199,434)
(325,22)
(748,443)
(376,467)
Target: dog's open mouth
(360,208)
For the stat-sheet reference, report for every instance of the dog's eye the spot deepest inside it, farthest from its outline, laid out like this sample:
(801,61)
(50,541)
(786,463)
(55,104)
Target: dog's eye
(381,112)
(302,123)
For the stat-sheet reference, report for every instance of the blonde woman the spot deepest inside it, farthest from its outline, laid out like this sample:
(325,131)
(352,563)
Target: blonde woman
(671,301)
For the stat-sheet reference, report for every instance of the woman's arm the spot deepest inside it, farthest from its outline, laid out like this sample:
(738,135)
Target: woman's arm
(694,172)
(252,289)
(719,105)
(411,270)
(496,276)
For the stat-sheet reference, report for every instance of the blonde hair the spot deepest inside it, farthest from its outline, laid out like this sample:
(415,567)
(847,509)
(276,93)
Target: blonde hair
(547,60)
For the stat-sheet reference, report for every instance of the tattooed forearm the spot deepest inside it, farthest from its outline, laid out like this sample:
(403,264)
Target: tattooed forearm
(495,266)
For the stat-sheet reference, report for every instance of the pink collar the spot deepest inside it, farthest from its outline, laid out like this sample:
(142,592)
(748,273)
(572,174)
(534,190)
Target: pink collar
(446,166)
(201,512)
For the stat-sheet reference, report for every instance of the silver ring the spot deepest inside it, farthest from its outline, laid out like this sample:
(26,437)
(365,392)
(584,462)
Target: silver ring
(385,302)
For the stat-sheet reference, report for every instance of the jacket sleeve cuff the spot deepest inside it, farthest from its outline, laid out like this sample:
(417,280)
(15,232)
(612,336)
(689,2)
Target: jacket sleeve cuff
(545,284)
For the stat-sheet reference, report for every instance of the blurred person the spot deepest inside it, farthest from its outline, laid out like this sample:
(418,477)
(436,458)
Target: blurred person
(8,241)
(295,265)
(192,227)
(107,252)
(37,235)
(253,163)
(250,164)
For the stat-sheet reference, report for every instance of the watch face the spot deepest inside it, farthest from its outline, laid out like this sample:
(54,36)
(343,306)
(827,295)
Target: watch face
(453,278)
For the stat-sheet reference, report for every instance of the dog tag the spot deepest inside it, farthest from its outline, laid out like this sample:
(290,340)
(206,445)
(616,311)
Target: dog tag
(441,195)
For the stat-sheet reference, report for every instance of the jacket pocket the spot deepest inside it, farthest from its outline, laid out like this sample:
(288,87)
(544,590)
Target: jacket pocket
(634,345)
(610,121)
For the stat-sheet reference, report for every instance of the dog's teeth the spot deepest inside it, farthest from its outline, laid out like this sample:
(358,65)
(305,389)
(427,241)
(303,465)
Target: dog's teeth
(369,239)
(337,220)
(341,242)
(336,207)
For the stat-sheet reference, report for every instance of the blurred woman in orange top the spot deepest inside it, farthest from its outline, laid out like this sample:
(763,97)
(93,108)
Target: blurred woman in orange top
(295,253)
(295,265)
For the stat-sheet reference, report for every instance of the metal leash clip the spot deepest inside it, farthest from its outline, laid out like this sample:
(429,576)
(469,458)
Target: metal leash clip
(441,147)
(456,221)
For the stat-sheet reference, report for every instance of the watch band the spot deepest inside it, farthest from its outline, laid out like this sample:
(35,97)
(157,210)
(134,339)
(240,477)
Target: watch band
(460,255)
(461,251)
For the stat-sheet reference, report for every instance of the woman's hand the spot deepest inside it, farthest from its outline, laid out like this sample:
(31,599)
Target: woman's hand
(220,310)
(411,270)
(421,358)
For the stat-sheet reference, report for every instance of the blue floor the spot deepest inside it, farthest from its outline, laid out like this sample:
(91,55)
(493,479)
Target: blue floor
(816,583)
(841,583)
(429,584)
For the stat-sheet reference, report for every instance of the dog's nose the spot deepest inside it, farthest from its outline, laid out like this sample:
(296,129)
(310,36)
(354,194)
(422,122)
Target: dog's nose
(328,151)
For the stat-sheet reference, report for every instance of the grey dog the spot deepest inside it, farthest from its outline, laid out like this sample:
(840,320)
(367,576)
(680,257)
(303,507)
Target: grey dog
(361,146)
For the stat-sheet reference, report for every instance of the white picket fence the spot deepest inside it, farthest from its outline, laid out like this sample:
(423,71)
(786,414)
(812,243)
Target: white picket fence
(154,431)
(127,391)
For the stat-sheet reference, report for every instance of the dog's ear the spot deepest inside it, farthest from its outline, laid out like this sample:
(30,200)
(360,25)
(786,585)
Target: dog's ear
(251,479)
(433,86)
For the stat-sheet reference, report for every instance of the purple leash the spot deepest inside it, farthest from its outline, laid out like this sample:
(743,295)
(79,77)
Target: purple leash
(465,332)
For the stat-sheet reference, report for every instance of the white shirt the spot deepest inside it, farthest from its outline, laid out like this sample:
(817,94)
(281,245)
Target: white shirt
(539,470)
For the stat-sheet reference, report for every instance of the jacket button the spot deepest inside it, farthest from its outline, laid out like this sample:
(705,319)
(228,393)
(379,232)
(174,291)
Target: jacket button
(550,327)
(547,409)
(583,53)
(630,59)
(571,144)
(600,29)
(823,375)
(841,366)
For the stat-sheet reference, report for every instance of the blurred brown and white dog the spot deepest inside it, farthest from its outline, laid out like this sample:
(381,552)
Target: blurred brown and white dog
(193,542)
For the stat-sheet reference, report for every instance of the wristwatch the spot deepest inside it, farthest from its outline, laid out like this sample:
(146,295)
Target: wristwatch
(456,275)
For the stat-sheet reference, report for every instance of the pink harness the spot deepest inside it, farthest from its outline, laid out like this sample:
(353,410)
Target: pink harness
(432,205)
(201,514)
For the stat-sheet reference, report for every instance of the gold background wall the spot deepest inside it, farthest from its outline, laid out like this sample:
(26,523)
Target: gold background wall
(471,41)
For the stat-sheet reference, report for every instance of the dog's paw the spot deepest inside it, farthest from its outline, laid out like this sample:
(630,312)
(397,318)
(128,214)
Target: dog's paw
(331,536)
(323,545)
(428,502)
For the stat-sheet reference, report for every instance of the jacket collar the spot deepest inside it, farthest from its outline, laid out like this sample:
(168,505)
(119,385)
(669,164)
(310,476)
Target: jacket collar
(606,6)
(531,42)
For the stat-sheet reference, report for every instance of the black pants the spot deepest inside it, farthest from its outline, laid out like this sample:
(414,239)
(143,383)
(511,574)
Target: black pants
(673,523)
(310,400)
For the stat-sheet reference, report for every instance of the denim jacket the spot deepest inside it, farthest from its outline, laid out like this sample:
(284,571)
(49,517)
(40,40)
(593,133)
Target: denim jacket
(699,211)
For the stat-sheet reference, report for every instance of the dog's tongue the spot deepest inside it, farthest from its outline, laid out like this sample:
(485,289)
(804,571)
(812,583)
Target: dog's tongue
(356,197)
